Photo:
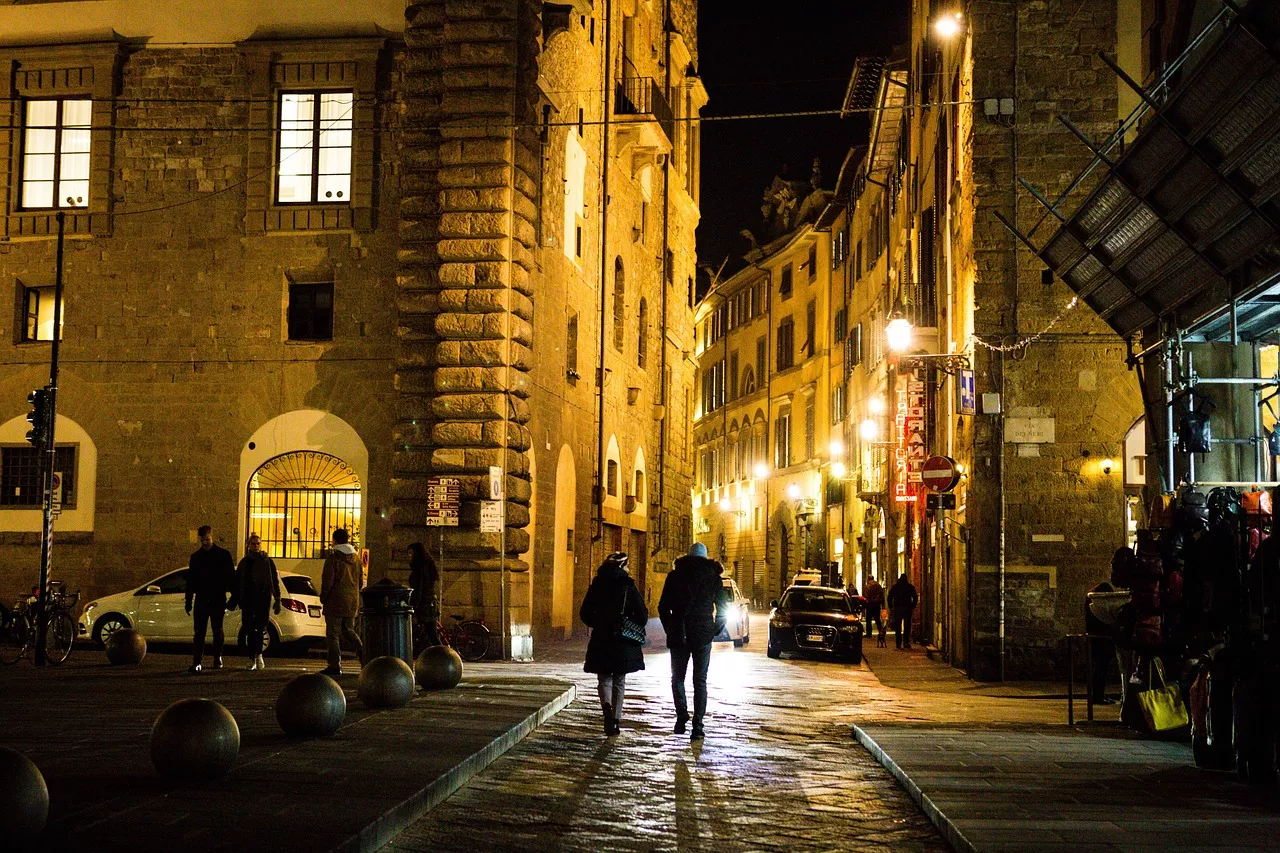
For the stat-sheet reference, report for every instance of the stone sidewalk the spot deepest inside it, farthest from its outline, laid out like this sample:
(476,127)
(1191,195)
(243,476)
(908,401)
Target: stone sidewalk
(1011,775)
(87,725)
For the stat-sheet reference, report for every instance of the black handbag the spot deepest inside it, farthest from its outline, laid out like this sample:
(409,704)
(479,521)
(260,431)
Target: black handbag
(629,629)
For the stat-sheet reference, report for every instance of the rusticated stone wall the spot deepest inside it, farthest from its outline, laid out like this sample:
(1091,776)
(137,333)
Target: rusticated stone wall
(467,227)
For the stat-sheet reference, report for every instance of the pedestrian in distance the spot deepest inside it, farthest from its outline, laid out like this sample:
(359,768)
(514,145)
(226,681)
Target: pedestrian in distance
(257,586)
(902,601)
(610,655)
(424,575)
(693,608)
(874,595)
(340,595)
(211,574)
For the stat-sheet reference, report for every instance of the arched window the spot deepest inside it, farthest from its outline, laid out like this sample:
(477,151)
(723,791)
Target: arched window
(748,380)
(296,501)
(642,343)
(619,303)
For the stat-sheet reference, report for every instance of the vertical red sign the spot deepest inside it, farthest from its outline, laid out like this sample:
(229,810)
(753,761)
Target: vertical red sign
(909,424)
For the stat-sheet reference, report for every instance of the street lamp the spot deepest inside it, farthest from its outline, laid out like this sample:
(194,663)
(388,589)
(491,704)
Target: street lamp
(838,470)
(869,430)
(836,448)
(793,492)
(761,470)
(898,333)
(948,26)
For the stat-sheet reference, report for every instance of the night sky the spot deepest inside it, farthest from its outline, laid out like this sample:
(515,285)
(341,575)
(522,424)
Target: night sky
(764,58)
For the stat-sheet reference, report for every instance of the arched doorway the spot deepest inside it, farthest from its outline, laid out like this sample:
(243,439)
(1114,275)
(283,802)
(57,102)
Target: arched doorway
(274,458)
(562,564)
(296,500)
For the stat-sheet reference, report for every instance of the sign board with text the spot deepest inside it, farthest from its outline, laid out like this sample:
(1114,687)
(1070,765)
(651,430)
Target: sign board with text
(443,501)
(491,516)
(967,404)
(1029,431)
(912,443)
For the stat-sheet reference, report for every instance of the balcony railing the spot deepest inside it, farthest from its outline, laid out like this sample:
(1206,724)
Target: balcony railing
(642,96)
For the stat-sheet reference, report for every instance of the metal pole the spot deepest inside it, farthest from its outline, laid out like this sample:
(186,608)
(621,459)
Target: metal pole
(50,454)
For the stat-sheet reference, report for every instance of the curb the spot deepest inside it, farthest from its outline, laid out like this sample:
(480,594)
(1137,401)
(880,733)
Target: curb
(398,818)
(949,830)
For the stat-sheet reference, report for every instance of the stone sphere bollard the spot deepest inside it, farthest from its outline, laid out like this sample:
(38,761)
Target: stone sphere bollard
(386,682)
(126,646)
(194,740)
(438,668)
(311,705)
(24,797)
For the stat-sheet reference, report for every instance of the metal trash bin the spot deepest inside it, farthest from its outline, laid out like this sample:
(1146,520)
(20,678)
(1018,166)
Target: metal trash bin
(388,621)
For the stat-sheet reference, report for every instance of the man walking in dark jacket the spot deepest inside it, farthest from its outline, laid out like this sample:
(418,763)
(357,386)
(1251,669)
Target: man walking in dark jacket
(902,601)
(210,576)
(257,585)
(693,609)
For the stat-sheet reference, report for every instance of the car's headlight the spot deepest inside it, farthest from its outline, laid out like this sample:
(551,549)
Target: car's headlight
(780,620)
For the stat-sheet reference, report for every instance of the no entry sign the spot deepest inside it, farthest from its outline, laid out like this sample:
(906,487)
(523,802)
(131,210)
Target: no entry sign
(940,474)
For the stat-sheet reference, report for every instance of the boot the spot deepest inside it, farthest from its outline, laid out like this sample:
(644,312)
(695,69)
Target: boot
(682,720)
(607,709)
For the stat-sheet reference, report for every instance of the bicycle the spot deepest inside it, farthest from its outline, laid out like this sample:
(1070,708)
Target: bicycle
(469,637)
(18,628)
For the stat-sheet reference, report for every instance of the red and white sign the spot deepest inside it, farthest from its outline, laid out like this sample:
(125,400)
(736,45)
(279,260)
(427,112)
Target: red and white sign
(939,473)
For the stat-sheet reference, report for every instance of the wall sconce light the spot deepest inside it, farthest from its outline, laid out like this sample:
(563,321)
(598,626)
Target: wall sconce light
(838,470)
(1107,465)
(793,492)
(947,26)
(761,470)
(836,448)
(869,430)
(898,333)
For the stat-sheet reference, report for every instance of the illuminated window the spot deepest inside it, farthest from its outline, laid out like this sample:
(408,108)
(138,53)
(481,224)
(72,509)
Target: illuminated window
(314,155)
(55,153)
(37,314)
(296,501)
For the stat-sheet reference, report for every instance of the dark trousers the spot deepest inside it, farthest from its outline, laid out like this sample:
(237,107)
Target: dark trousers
(337,629)
(1102,652)
(679,666)
(875,616)
(254,623)
(206,614)
(901,620)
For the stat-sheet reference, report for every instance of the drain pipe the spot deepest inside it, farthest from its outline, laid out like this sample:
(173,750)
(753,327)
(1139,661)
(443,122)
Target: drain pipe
(598,497)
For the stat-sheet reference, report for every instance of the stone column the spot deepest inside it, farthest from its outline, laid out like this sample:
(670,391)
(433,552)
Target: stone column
(468,220)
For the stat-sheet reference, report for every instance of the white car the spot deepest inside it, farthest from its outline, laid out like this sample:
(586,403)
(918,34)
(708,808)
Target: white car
(738,626)
(158,610)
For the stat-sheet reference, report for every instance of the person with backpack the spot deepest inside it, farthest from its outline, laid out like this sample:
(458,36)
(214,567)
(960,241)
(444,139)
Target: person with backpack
(693,608)
(611,655)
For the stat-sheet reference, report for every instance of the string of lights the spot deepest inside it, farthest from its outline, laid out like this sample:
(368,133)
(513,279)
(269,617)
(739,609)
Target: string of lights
(1022,344)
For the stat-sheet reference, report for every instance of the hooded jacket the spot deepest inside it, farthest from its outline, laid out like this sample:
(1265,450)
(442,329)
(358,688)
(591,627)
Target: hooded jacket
(602,608)
(340,582)
(694,603)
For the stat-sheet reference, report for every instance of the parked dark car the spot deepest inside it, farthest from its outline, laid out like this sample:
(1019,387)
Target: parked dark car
(817,619)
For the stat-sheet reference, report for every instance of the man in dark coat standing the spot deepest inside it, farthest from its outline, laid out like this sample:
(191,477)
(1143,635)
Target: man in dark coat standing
(257,585)
(611,656)
(210,576)
(693,609)
(902,601)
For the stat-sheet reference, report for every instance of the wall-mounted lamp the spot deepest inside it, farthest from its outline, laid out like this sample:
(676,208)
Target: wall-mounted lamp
(761,470)
(838,470)
(836,448)
(948,26)
(793,492)
(898,333)
(1107,465)
(869,430)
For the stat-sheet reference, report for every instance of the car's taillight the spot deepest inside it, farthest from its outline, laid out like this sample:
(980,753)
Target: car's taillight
(294,605)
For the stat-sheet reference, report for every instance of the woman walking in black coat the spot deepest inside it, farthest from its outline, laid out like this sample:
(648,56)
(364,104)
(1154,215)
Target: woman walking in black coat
(609,655)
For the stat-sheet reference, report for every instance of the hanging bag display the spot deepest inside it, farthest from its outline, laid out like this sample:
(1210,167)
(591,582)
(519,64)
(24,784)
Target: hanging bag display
(1162,706)
(629,629)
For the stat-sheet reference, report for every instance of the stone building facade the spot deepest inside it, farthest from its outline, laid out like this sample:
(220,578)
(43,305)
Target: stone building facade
(763,418)
(331,253)
(958,120)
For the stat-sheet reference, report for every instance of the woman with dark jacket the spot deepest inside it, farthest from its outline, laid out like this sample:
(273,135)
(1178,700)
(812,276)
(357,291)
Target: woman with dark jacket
(609,655)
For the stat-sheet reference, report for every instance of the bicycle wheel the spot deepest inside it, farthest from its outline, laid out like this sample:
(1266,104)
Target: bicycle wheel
(61,633)
(15,634)
(471,641)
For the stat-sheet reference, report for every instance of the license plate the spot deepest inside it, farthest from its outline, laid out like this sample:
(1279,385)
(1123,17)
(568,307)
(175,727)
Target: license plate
(816,638)
(313,610)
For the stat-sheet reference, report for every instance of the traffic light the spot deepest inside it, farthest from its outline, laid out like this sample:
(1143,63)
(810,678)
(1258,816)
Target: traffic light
(38,417)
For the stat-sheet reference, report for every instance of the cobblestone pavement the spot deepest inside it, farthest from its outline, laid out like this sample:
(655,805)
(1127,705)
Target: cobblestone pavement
(778,769)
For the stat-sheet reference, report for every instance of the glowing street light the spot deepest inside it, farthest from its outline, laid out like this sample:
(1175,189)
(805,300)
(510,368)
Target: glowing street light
(898,333)
(793,492)
(948,26)
(725,505)
(838,470)
(761,470)
(869,430)
(876,405)
(836,448)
